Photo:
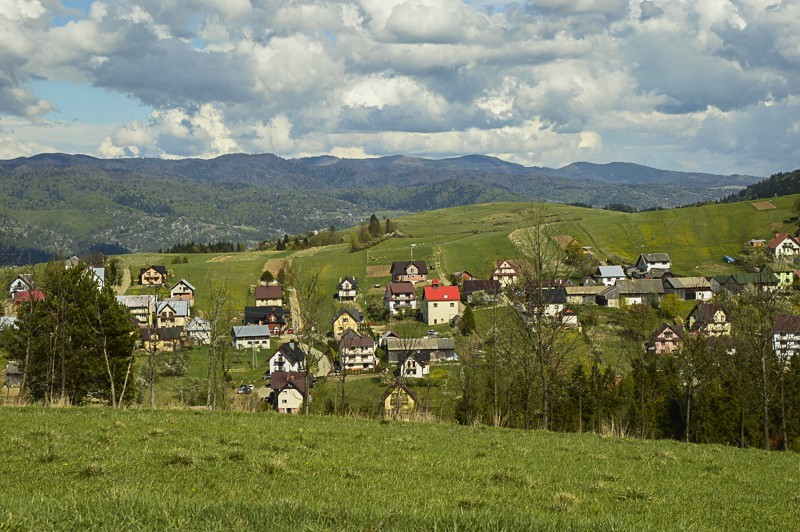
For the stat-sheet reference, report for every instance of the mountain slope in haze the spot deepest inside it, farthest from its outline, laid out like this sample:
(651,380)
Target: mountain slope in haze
(68,203)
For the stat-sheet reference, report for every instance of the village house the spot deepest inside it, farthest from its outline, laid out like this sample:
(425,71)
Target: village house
(688,288)
(172,313)
(153,276)
(183,290)
(784,245)
(199,330)
(399,297)
(272,317)
(640,291)
(250,337)
(346,319)
(385,336)
(763,280)
(666,339)
(140,307)
(583,295)
(783,272)
(462,276)
(27,296)
(609,275)
(545,302)
(399,402)
(22,283)
(288,357)
(506,272)
(413,271)
(97,273)
(415,365)
(269,296)
(433,349)
(13,374)
(162,338)
(648,262)
(757,243)
(487,290)
(288,391)
(440,304)
(347,289)
(786,337)
(709,319)
(356,352)
(8,322)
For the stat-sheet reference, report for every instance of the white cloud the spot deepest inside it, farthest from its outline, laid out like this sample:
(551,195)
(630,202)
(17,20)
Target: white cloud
(540,82)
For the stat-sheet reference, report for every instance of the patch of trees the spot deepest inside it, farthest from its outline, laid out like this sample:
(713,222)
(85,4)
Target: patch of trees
(371,233)
(780,184)
(76,343)
(620,207)
(212,247)
(308,240)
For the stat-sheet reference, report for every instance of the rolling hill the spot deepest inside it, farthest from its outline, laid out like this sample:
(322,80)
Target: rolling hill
(65,204)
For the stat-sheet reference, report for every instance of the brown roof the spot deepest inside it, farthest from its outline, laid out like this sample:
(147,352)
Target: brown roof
(353,339)
(401,267)
(400,288)
(678,330)
(706,311)
(780,237)
(490,286)
(280,380)
(269,292)
(786,324)
(394,385)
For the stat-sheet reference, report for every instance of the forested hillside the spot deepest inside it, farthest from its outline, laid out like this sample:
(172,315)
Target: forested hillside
(780,184)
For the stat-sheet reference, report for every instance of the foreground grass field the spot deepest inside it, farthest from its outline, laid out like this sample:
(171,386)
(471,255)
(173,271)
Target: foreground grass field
(88,468)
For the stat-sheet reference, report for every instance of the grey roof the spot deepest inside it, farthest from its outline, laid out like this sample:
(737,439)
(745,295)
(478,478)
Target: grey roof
(655,257)
(181,308)
(420,344)
(7,321)
(640,286)
(137,301)
(584,290)
(184,281)
(610,271)
(250,331)
(198,325)
(681,283)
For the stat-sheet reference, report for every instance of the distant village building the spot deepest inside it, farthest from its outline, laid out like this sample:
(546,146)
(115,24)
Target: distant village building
(347,289)
(269,296)
(440,304)
(399,297)
(399,402)
(250,336)
(153,276)
(288,391)
(506,272)
(413,271)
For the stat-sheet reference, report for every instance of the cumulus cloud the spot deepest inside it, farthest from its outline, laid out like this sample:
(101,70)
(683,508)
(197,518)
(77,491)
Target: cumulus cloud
(709,84)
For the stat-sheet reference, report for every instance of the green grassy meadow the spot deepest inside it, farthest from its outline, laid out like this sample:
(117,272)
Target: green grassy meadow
(89,468)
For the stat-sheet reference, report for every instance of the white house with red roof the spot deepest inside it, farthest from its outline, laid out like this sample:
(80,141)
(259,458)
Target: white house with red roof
(784,245)
(440,304)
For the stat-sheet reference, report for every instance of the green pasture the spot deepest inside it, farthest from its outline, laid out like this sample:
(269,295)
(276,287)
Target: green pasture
(99,469)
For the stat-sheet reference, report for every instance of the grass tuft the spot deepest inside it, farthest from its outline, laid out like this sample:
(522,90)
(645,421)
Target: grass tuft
(563,501)
(93,470)
(180,458)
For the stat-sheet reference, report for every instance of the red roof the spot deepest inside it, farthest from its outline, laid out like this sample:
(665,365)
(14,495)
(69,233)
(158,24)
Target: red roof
(27,295)
(780,237)
(441,293)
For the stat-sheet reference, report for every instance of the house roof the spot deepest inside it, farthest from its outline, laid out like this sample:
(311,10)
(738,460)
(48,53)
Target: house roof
(441,293)
(352,280)
(704,312)
(181,308)
(585,290)
(353,313)
(420,344)
(352,339)
(490,286)
(254,314)
(548,296)
(280,380)
(26,295)
(137,301)
(654,257)
(401,267)
(786,324)
(682,283)
(250,331)
(7,321)
(610,271)
(162,333)
(780,267)
(185,282)
(269,292)
(755,278)
(780,237)
(640,286)
(677,330)
(160,269)
(403,387)
(400,288)
(198,324)
(292,352)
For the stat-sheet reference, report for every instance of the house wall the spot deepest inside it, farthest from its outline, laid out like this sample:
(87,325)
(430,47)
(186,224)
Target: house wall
(276,364)
(436,312)
(259,342)
(289,401)
(395,304)
(342,324)
(398,405)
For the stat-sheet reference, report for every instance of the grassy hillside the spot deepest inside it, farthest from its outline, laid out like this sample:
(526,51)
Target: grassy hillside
(100,469)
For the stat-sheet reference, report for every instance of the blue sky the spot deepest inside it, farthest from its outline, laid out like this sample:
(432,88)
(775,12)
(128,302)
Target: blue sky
(707,85)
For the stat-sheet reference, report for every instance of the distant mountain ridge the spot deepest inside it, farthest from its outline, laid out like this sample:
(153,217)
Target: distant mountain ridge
(67,203)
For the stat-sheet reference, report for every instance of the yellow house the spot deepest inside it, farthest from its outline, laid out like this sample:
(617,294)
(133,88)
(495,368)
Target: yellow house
(399,402)
(345,320)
